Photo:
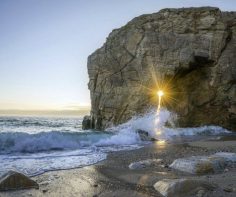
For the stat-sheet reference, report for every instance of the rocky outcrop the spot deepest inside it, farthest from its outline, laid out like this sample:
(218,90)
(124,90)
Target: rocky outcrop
(190,53)
(86,123)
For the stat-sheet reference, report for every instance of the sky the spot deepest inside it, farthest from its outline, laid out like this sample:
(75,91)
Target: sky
(44,45)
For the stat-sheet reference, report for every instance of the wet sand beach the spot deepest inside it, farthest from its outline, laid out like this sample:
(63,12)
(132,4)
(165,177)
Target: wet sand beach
(112,177)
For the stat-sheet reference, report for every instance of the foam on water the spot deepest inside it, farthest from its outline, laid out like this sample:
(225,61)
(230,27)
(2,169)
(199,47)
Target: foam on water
(37,145)
(154,123)
(38,163)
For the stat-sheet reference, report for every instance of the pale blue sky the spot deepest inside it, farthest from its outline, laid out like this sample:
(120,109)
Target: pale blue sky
(44,45)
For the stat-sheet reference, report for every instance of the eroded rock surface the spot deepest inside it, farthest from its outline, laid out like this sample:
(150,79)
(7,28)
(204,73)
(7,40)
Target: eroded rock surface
(204,164)
(86,124)
(189,50)
(182,187)
(199,164)
(14,180)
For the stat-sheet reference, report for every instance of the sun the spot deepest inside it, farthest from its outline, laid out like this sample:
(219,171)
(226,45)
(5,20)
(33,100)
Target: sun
(160,93)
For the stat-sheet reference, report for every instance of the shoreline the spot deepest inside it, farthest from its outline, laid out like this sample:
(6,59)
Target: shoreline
(112,177)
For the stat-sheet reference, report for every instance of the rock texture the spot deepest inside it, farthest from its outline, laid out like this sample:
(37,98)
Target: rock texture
(182,187)
(144,136)
(14,180)
(188,52)
(204,164)
(199,164)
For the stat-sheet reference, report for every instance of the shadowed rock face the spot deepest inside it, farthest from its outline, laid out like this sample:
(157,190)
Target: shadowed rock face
(193,50)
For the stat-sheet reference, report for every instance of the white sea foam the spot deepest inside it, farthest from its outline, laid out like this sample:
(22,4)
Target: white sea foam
(155,124)
(38,163)
(122,137)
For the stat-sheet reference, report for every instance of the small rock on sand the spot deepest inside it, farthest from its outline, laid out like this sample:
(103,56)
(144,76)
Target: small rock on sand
(14,180)
(144,135)
(182,187)
(44,190)
(204,164)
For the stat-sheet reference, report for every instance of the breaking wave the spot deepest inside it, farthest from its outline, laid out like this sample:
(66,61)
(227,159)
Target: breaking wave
(155,124)
(36,145)
(124,134)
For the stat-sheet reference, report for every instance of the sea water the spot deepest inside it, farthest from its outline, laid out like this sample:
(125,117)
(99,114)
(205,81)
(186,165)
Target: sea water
(34,145)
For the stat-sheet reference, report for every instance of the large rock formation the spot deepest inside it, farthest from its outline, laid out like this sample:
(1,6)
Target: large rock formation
(189,52)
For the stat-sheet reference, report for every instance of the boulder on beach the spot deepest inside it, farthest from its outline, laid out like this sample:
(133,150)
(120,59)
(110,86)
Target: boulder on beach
(144,164)
(204,164)
(199,164)
(182,187)
(14,180)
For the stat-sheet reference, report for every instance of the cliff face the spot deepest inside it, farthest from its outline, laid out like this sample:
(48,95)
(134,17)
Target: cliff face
(189,52)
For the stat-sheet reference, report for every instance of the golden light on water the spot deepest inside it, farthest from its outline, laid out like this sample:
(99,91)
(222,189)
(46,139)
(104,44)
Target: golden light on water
(161,142)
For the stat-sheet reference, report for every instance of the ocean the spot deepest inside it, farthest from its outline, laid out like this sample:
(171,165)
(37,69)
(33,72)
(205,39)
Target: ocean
(34,145)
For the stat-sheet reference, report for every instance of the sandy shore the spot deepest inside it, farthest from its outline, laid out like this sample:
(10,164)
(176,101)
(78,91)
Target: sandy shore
(112,177)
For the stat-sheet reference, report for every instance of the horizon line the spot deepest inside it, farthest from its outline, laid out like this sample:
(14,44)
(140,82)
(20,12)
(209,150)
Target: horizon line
(44,112)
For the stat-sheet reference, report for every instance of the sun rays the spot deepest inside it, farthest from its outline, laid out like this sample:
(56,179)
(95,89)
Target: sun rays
(163,93)
(160,93)
(162,90)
